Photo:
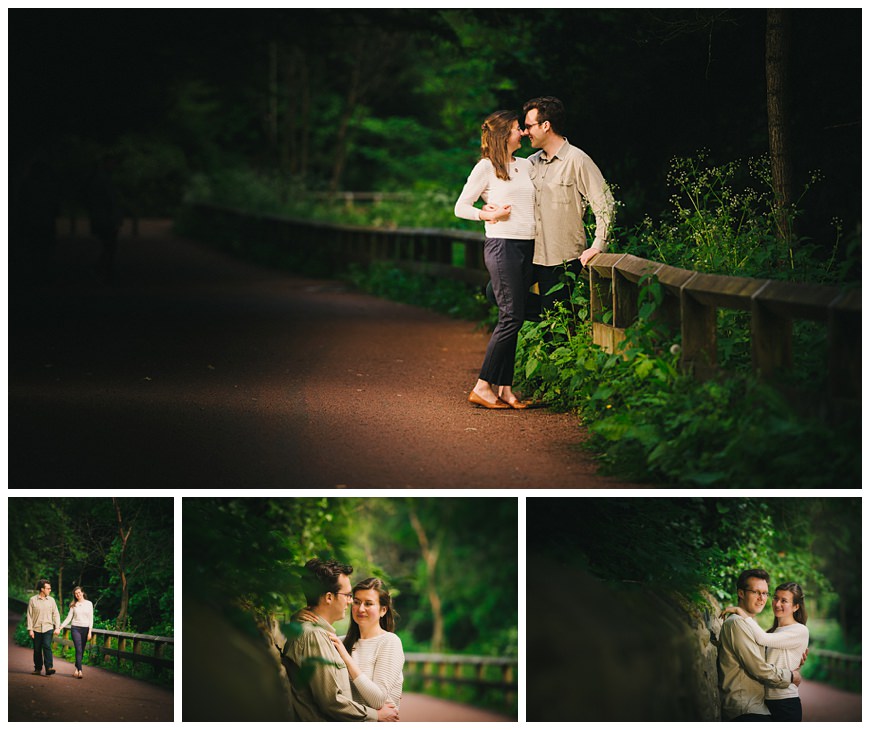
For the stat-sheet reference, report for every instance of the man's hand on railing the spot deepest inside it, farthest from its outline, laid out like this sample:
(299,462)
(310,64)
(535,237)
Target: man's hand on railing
(588,255)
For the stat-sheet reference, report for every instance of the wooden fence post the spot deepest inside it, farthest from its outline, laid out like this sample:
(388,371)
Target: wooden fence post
(699,335)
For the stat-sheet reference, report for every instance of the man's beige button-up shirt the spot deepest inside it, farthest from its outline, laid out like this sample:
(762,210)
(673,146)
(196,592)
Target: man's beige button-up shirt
(42,614)
(564,185)
(743,672)
(319,682)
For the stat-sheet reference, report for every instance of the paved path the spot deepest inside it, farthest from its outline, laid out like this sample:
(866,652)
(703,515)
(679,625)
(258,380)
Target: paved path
(195,369)
(823,703)
(99,696)
(423,708)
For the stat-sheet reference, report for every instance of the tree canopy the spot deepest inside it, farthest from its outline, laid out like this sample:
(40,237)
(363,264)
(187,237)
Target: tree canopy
(691,545)
(118,549)
(450,564)
(392,99)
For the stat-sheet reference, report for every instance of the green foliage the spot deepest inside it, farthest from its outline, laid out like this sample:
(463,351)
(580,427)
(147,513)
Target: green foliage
(690,545)
(77,542)
(454,298)
(252,551)
(725,220)
(650,421)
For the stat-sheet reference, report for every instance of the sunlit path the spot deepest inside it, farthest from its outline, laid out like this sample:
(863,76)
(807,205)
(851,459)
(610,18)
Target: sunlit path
(195,369)
(100,695)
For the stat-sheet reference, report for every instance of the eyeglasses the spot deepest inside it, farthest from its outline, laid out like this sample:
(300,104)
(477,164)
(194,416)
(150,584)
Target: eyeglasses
(761,594)
(529,126)
(346,595)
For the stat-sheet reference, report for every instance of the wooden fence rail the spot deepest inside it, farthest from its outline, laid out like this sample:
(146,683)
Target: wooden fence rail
(691,301)
(845,669)
(102,642)
(480,672)
(691,298)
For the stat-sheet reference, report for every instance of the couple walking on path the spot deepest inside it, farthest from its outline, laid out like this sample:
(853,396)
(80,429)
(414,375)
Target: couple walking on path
(533,212)
(43,623)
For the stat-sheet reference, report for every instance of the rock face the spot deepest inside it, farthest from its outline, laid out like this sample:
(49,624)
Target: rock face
(629,655)
(230,671)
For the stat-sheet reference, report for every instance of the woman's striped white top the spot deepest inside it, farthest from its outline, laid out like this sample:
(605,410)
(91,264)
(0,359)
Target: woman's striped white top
(518,192)
(380,660)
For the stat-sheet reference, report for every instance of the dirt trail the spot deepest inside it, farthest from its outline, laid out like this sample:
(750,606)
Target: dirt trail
(195,369)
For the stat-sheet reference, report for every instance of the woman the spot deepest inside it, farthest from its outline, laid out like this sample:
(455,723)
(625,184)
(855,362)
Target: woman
(503,182)
(785,644)
(81,613)
(372,652)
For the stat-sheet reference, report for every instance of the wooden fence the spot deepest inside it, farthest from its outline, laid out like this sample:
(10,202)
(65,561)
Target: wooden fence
(691,301)
(482,673)
(453,254)
(843,669)
(116,644)
(691,298)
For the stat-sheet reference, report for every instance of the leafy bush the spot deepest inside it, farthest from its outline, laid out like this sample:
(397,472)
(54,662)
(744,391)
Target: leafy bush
(650,421)
(717,228)
(454,298)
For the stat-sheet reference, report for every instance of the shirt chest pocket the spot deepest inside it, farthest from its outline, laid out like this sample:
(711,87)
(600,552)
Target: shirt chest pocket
(562,192)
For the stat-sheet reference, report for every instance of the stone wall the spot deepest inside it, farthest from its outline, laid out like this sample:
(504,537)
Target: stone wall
(231,670)
(596,653)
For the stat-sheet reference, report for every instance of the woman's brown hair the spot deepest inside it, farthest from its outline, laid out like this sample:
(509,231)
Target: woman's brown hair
(387,621)
(73,600)
(495,131)
(797,594)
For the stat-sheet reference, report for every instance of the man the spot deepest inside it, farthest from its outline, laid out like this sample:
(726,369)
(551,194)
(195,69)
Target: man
(43,619)
(743,672)
(566,180)
(319,682)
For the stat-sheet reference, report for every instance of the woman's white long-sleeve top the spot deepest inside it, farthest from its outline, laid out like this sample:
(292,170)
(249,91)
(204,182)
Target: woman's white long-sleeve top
(380,661)
(783,648)
(518,192)
(82,614)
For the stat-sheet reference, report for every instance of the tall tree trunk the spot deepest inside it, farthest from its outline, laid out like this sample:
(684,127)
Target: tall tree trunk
(342,137)
(430,557)
(124,535)
(295,126)
(777,57)
(272,117)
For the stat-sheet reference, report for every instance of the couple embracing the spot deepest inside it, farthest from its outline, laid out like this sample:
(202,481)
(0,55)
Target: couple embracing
(534,213)
(759,671)
(357,677)
(43,623)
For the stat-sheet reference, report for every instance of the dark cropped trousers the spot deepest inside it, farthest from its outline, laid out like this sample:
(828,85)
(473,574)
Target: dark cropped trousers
(80,638)
(509,262)
(787,710)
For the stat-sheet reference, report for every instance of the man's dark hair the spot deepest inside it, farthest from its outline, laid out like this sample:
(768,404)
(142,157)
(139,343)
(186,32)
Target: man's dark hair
(550,109)
(322,578)
(742,581)
(40,583)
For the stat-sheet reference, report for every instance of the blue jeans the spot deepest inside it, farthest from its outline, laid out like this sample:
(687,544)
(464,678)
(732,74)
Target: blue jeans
(509,262)
(80,638)
(42,650)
